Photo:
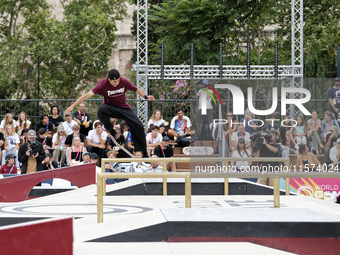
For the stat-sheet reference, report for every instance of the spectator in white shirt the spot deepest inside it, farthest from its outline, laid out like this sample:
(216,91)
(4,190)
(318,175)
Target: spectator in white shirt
(180,125)
(69,123)
(96,140)
(23,122)
(241,133)
(8,120)
(58,144)
(153,139)
(157,119)
(11,143)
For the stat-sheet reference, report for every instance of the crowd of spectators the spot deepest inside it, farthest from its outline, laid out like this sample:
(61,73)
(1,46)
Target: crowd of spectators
(57,142)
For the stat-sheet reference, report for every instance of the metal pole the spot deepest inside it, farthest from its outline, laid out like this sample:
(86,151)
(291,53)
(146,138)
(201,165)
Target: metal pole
(99,200)
(192,61)
(338,61)
(221,61)
(162,61)
(165,180)
(248,60)
(38,87)
(276,192)
(315,70)
(276,65)
(188,191)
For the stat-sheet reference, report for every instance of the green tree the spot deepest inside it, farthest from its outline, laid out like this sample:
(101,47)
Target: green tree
(72,51)
(13,46)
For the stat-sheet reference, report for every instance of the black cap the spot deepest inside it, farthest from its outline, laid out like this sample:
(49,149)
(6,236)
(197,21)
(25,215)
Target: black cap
(113,74)
(8,156)
(94,155)
(166,138)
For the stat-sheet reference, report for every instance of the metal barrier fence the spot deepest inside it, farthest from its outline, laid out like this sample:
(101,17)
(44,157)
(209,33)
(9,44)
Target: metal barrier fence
(34,107)
(101,177)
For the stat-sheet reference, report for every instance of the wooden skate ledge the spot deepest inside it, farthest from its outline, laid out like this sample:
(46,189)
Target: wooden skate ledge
(101,177)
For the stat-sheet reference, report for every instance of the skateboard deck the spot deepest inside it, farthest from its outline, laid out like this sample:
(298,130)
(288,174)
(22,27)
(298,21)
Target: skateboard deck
(198,151)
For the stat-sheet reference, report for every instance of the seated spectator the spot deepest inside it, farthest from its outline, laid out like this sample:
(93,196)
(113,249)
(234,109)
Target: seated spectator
(44,140)
(48,163)
(153,139)
(23,136)
(9,166)
(23,122)
(125,129)
(306,161)
(93,126)
(230,127)
(249,118)
(314,129)
(155,167)
(11,144)
(55,118)
(299,132)
(74,155)
(157,119)
(285,135)
(130,147)
(45,123)
(2,142)
(164,150)
(6,121)
(162,130)
(137,166)
(111,166)
(270,125)
(96,140)
(120,140)
(86,157)
(58,144)
(241,133)
(76,131)
(180,125)
(68,124)
(94,159)
(31,154)
(241,152)
(138,154)
(331,139)
(326,124)
(83,119)
(334,154)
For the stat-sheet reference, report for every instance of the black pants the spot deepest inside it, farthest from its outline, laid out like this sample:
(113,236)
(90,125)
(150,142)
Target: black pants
(84,130)
(105,112)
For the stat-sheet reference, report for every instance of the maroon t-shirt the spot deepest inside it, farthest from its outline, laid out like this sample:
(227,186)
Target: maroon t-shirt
(114,96)
(4,169)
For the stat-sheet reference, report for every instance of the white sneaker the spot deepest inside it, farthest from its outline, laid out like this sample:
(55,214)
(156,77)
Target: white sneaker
(296,147)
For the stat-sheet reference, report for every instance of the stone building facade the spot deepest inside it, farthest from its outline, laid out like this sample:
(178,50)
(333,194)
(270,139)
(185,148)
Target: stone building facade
(126,43)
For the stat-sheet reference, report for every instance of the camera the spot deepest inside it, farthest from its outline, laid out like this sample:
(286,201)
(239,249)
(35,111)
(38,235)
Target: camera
(258,139)
(33,148)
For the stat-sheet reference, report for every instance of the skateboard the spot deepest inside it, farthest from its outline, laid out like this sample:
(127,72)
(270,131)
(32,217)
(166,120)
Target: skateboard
(198,151)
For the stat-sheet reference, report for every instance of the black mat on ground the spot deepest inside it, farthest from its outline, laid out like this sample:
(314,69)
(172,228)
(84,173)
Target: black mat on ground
(154,188)
(161,232)
(5,221)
